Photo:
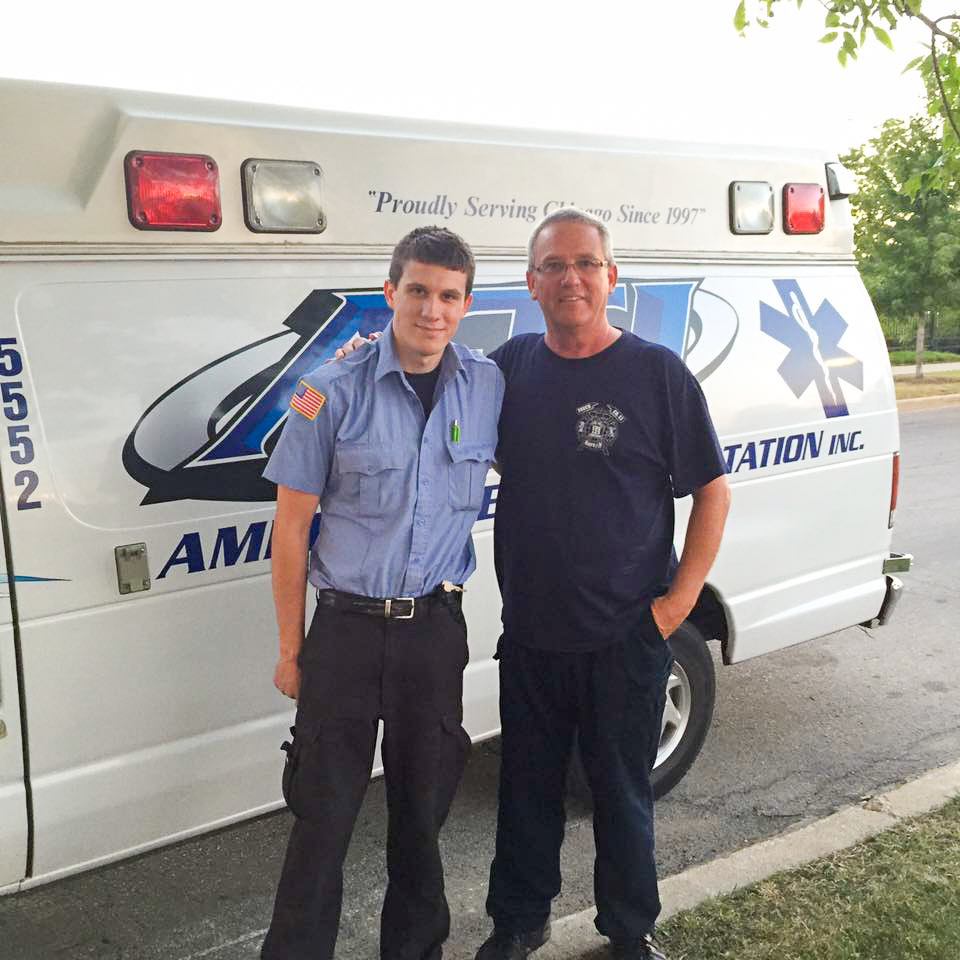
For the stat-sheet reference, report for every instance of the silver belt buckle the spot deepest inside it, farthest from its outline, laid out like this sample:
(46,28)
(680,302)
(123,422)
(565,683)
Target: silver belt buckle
(405,616)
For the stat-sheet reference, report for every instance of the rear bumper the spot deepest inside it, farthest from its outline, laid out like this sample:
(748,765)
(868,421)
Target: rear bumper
(894,563)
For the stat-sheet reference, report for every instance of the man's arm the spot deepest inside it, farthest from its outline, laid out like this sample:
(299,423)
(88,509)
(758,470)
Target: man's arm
(291,530)
(710,505)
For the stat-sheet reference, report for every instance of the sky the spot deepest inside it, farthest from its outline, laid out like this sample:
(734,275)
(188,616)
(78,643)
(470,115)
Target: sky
(672,69)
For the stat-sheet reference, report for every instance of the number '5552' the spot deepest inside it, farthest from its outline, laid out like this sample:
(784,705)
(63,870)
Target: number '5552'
(13,402)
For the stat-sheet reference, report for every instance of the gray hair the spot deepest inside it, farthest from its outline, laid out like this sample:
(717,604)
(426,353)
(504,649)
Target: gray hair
(571,215)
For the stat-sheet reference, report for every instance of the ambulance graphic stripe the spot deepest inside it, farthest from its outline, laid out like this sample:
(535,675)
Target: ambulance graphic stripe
(242,422)
(6,578)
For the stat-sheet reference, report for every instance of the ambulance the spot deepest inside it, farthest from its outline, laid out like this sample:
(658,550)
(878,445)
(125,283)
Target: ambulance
(169,268)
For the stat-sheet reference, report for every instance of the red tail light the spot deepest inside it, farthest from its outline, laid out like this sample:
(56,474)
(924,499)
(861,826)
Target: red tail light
(895,486)
(803,208)
(172,191)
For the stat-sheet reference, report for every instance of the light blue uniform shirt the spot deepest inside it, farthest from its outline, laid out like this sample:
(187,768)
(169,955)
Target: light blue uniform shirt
(397,498)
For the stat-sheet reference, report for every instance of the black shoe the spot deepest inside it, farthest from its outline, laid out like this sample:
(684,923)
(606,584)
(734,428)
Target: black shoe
(642,949)
(501,945)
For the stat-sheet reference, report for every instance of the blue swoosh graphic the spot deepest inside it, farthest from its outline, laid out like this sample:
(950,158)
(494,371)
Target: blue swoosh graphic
(5,578)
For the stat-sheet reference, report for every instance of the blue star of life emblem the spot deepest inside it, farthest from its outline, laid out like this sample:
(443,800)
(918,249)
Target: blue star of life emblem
(814,342)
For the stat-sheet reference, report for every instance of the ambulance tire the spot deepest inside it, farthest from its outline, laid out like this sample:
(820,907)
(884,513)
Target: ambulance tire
(691,692)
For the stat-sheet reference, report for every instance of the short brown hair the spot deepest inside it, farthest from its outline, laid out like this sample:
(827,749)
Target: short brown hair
(434,245)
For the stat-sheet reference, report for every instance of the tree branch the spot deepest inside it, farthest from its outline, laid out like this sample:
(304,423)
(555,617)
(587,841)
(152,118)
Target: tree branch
(943,93)
(905,10)
(935,29)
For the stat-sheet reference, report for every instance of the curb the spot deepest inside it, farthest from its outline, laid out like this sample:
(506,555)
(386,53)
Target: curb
(575,936)
(928,403)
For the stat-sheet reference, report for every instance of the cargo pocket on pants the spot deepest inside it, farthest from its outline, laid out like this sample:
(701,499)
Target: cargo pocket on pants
(327,770)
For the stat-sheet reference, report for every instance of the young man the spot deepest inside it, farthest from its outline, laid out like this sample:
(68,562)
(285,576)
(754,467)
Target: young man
(394,446)
(599,432)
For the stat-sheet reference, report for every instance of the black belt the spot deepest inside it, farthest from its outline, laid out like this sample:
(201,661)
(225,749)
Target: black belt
(391,608)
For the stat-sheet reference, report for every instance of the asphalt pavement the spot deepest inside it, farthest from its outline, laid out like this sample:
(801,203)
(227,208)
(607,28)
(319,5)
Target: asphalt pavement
(797,735)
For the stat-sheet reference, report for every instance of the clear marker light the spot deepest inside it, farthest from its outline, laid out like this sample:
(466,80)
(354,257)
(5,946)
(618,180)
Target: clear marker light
(751,206)
(282,196)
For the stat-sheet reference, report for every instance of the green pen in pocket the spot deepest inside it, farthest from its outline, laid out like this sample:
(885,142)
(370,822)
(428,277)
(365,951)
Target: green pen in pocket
(455,431)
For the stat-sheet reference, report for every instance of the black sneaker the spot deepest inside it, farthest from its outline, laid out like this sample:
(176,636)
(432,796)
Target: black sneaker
(501,945)
(642,949)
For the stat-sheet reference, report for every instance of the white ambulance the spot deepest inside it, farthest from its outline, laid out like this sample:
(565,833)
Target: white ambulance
(169,267)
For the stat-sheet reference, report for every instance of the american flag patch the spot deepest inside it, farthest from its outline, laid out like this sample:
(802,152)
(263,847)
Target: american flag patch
(307,401)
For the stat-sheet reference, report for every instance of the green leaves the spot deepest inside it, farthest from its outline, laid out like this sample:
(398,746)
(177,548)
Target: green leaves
(882,36)
(907,219)
(740,17)
(849,45)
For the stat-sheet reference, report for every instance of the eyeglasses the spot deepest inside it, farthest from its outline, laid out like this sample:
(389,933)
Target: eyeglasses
(585,266)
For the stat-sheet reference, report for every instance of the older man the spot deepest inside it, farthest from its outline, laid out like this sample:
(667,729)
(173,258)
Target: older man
(394,445)
(599,432)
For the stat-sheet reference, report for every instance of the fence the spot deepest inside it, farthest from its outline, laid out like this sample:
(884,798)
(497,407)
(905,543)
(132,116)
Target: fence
(901,334)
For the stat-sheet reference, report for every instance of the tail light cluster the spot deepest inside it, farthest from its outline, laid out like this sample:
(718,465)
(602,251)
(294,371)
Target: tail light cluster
(752,207)
(894,488)
(180,191)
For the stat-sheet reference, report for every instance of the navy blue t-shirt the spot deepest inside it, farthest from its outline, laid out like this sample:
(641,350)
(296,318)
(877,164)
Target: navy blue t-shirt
(592,453)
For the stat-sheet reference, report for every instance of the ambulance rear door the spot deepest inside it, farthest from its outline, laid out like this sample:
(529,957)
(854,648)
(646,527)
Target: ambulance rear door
(13,789)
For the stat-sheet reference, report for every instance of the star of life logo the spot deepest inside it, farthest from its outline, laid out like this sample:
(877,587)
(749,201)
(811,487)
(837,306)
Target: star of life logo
(815,355)
(597,426)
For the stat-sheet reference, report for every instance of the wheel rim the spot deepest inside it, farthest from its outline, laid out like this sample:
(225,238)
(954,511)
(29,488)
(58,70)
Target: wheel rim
(676,713)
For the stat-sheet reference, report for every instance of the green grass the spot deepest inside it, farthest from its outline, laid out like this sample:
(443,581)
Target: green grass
(932,385)
(929,356)
(895,897)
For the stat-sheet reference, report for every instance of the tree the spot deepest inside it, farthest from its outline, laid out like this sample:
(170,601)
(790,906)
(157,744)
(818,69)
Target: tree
(908,244)
(852,23)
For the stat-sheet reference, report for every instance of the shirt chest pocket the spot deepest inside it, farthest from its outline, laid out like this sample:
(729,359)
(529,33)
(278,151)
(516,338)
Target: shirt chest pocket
(469,463)
(371,478)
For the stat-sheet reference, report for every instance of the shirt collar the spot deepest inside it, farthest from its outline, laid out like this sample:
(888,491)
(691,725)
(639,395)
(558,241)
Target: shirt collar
(387,362)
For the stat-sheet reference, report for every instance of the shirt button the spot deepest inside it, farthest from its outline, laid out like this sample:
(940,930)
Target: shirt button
(426,481)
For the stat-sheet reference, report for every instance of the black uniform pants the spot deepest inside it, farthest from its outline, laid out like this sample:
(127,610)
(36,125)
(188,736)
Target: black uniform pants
(357,669)
(614,698)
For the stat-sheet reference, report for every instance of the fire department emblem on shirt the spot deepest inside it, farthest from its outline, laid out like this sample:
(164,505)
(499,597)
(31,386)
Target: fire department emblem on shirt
(597,426)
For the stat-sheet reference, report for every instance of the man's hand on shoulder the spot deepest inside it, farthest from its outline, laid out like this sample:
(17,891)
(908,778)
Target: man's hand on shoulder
(286,677)
(352,344)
